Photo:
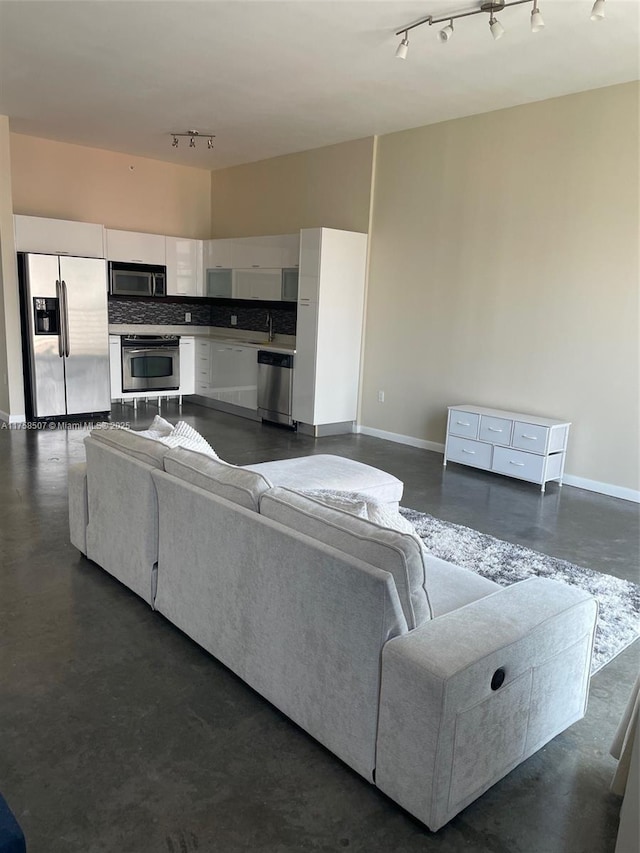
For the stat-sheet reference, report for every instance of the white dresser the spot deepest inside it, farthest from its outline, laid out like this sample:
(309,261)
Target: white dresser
(523,446)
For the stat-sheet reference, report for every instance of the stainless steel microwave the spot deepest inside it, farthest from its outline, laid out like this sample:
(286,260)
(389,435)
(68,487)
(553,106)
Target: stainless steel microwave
(126,279)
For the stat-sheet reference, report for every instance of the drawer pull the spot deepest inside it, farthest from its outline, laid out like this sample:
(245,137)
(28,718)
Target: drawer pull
(463,423)
(495,429)
(530,437)
(471,452)
(519,464)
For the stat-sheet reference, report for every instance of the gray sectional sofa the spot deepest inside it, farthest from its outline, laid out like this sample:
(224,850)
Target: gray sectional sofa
(428,680)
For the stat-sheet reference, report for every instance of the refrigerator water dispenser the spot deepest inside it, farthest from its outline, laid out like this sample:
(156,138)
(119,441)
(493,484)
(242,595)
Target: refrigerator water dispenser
(46,316)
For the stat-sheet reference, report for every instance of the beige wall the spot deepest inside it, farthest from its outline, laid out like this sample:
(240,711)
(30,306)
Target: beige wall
(504,272)
(324,187)
(65,181)
(11,384)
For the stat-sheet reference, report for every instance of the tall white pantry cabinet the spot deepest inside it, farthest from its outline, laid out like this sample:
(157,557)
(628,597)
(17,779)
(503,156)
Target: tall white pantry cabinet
(329,329)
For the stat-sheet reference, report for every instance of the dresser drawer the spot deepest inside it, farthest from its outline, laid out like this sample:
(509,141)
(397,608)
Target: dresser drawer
(463,423)
(469,452)
(495,430)
(530,437)
(517,463)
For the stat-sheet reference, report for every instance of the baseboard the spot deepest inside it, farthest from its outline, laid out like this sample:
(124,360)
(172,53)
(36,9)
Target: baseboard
(6,418)
(400,439)
(602,488)
(568,479)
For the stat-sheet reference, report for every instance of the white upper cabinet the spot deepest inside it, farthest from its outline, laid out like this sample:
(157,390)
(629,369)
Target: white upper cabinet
(218,254)
(262,284)
(136,247)
(290,250)
(184,266)
(58,237)
(257,252)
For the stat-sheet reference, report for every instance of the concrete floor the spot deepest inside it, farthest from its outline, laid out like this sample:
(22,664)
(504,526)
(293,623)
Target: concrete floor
(119,734)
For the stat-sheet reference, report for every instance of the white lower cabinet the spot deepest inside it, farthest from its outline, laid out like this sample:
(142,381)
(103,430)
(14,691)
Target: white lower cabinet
(234,375)
(187,365)
(523,446)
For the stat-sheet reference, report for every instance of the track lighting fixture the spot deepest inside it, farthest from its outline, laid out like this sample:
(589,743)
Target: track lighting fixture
(403,47)
(191,135)
(489,7)
(537,21)
(497,30)
(446,33)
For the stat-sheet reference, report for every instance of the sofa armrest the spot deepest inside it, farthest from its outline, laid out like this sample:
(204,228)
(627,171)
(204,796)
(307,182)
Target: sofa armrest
(468,696)
(78,505)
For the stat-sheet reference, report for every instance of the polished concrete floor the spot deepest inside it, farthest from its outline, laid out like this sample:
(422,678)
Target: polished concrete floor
(120,735)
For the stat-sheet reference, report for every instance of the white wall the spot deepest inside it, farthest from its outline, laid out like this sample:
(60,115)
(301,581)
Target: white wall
(504,271)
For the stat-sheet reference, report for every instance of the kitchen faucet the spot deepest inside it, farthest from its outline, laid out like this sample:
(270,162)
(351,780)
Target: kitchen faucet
(270,325)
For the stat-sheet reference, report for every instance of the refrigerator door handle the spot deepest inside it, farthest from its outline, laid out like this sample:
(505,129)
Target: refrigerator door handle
(67,348)
(60,310)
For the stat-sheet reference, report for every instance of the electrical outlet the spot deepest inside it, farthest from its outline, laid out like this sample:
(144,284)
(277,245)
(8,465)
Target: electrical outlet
(381,396)
(234,320)
(187,316)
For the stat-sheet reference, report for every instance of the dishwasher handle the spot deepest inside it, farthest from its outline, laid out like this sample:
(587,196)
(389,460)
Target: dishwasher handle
(275,359)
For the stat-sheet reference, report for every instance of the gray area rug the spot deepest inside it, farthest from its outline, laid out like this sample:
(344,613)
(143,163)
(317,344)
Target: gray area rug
(504,563)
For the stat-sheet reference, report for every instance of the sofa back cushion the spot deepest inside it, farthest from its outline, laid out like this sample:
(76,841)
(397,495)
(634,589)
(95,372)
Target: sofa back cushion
(143,447)
(235,484)
(398,553)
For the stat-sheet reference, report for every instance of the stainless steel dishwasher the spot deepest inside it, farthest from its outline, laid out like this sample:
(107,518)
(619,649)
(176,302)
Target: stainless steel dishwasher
(275,386)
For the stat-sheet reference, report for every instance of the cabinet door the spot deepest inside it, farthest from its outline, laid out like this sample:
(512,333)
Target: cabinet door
(58,237)
(115,366)
(221,372)
(290,250)
(304,374)
(187,365)
(219,283)
(184,266)
(309,277)
(202,367)
(244,377)
(136,247)
(257,284)
(218,254)
(257,253)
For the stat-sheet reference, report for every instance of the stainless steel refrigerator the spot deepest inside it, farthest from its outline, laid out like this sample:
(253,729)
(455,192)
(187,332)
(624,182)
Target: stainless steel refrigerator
(65,335)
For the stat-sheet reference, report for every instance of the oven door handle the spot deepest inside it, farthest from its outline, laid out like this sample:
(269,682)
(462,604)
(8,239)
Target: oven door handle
(131,350)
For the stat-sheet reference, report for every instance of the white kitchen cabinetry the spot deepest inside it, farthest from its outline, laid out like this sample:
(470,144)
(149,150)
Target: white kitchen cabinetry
(135,247)
(290,250)
(511,443)
(234,375)
(257,252)
(329,329)
(263,284)
(187,365)
(184,266)
(115,366)
(58,237)
(218,254)
(202,367)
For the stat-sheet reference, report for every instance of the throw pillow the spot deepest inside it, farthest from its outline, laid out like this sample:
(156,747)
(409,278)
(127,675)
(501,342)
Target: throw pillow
(383,515)
(158,428)
(184,435)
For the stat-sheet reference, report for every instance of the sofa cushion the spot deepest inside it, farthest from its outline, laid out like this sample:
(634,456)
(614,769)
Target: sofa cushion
(400,554)
(239,485)
(144,448)
(324,471)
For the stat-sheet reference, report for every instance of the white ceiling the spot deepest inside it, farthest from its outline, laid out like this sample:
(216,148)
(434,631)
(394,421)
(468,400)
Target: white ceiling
(270,78)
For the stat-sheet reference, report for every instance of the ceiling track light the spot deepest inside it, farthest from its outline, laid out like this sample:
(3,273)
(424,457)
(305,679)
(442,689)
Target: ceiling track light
(490,8)
(192,136)
(446,33)
(537,21)
(403,47)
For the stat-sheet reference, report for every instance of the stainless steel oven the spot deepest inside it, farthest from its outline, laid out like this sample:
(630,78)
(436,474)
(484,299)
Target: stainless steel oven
(150,363)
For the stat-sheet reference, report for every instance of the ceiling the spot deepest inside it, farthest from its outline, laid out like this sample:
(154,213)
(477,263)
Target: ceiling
(270,78)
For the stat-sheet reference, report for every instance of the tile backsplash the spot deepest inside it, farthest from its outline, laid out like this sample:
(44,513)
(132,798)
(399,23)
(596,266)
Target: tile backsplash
(203,313)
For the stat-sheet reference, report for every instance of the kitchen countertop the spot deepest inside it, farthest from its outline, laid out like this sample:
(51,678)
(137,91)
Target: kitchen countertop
(281,343)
